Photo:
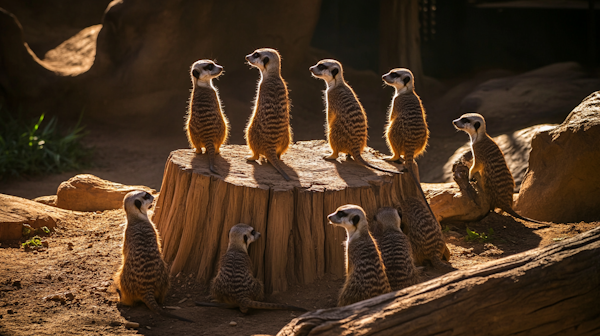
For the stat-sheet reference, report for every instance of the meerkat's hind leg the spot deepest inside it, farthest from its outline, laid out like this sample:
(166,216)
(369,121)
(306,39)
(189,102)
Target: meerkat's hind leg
(254,157)
(333,156)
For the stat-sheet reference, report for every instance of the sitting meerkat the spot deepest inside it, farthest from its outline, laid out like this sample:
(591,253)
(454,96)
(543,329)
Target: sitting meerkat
(206,125)
(235,286)
(143,275)
(365,271)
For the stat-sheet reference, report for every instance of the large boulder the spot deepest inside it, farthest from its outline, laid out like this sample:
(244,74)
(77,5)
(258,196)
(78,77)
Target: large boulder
(16,211)
(87,192)
(515,146)
(563,184)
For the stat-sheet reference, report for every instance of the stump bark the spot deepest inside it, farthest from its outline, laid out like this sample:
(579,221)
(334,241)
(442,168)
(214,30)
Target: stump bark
(196,209)
(553,290)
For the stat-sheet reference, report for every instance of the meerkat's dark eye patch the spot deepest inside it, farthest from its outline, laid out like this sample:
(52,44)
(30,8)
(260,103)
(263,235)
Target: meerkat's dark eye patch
(321,67)
(266,61)
(209,67)
(147,196)
(477,125)
(256,55)
(355,220)
(195,73)
(394,75)
(138,204)
(464,120)
(334,72)
(245,239)
(341,213)
(406,80)
(253,232)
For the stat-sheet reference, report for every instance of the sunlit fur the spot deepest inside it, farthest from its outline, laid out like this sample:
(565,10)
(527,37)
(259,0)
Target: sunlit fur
(268,132)
(365,272)
(206,125)
(234,284)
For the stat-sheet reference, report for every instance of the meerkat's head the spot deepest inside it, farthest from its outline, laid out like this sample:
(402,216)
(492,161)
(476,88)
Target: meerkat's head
(472,123)
(137,203)
(351,217)
(267,60)
(401,79)
(203,71)
(388,218)
(242,235)
(329,70)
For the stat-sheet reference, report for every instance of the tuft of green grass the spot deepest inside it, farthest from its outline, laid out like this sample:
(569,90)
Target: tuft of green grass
(479,237)
(37,146)
(34,242)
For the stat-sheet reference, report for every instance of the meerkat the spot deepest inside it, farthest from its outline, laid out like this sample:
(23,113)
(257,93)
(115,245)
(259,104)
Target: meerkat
(346,125)
(489,162)
(206,125)
(425,235)
(268,132)
(394,247)
(365,271)
(143,275)
(235,286)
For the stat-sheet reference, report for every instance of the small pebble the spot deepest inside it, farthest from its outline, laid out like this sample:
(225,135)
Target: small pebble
(132,325)
(233,323)
(148,327)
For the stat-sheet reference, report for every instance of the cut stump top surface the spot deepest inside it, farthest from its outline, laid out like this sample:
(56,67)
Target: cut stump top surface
(303,162)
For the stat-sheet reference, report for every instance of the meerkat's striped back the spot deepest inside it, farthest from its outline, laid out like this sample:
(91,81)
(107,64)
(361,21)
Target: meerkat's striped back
(347,121)
(424,233)
(395,250)
(234,282)
(498,182)
(407,131)
(366,277)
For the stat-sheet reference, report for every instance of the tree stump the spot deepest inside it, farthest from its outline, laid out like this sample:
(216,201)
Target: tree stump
(553,290)
(196,209)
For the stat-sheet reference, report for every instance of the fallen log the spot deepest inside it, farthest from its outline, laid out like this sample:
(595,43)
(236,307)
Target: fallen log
(554,290)
(196,209)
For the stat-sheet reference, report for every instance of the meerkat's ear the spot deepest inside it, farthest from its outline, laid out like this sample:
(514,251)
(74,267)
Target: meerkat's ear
(406,80)
(266,61)
(138,204)
(355,220)
(334,72)
(245,239)
(195,73)
(477,125)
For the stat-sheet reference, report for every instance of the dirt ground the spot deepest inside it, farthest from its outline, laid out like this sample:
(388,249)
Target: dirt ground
(85,269)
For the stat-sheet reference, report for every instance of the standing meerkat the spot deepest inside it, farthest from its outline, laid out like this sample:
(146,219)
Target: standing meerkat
(395,248)
(143,275)
(365,271)
(488,160)
(268,132)
(206,126)
(425,235)
(235,286)
(346,118)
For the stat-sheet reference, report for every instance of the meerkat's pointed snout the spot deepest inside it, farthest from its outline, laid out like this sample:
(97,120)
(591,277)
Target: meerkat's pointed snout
(248,57)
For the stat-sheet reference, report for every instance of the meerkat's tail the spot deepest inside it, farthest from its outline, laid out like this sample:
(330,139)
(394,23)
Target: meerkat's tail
(267,305)
(151,303)
(216,305)
(210,150)
(409,166)
(356,155)
(276,162)
(513,213)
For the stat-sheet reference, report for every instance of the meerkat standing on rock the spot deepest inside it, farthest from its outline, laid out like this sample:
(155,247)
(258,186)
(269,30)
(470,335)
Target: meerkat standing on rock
(235,286)
(206,126)
(346,117)
(143,275)
(365,271)
(268,132)
(395,248)
(489,162)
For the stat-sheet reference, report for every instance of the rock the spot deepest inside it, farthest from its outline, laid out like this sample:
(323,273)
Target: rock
(132,325)
(16,211)
(233,323)
(148,327)
(515,146)
(87,192)
(562,182)
(48,200)
(533,97)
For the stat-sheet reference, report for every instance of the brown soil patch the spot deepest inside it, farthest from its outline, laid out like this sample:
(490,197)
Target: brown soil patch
(86,271)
